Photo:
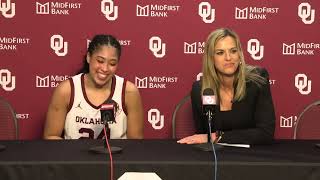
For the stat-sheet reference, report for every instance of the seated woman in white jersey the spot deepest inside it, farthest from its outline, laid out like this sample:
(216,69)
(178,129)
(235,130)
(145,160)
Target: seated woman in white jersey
(74,110)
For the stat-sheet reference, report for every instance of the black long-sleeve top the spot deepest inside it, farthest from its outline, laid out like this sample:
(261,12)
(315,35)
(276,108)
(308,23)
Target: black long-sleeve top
(250,121)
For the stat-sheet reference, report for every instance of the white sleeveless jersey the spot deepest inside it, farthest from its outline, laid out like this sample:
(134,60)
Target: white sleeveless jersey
(83,119)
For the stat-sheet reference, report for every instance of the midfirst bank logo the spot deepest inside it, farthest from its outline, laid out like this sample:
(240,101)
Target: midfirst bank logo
(7,9)
(109,9)
(154,82)
(252,13)
(7,81)
(50,80)
(206,12)
(302,84)
(288,122)
(272,81)
(307,49)
(57,8)
(22,116)
(59,46)
(193,48)
(156,10)
(255,49)
(306,13)
(121,41)
(157,47)
(156,119)
(12,43)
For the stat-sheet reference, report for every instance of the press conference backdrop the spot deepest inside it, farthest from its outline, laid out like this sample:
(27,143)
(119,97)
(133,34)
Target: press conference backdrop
(43,43)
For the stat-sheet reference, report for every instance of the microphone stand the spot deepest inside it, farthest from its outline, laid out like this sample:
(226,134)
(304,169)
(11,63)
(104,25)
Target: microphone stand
(208,146)
(104,149)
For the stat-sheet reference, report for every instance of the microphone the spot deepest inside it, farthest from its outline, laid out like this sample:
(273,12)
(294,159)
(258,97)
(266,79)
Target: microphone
(209,103)
(208,107)
(107,113)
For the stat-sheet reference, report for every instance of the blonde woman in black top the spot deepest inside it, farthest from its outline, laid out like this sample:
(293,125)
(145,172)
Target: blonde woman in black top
(245,111)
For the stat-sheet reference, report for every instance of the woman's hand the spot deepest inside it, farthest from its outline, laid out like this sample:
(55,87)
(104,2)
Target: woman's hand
(194,139)
(197,139)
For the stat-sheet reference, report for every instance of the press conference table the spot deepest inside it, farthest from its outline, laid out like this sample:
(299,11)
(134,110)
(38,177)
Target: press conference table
(70,159)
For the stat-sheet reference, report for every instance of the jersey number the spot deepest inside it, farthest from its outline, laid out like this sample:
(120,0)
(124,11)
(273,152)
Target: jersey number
(90,133)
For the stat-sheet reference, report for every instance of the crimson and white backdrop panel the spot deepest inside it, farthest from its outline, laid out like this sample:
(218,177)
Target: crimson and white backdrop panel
(43,43)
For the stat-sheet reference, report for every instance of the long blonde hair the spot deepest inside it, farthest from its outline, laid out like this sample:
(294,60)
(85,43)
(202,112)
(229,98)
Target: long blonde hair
(244,72)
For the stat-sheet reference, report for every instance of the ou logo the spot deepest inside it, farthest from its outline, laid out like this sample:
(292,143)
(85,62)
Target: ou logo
(57,44)
(254,48)
(107,10)
(205,11)
(155,119)
(157,47)
(301,82)
(6,79)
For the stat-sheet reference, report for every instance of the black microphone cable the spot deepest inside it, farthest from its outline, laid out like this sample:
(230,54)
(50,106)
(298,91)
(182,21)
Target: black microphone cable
(214,152)
(209,102)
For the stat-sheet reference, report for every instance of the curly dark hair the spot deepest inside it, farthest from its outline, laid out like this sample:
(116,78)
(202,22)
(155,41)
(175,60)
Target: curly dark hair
(95,44)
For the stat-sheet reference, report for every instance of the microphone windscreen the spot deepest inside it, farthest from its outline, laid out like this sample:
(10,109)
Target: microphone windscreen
(208,91)
(208,97)
(106,107)
(107,112)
